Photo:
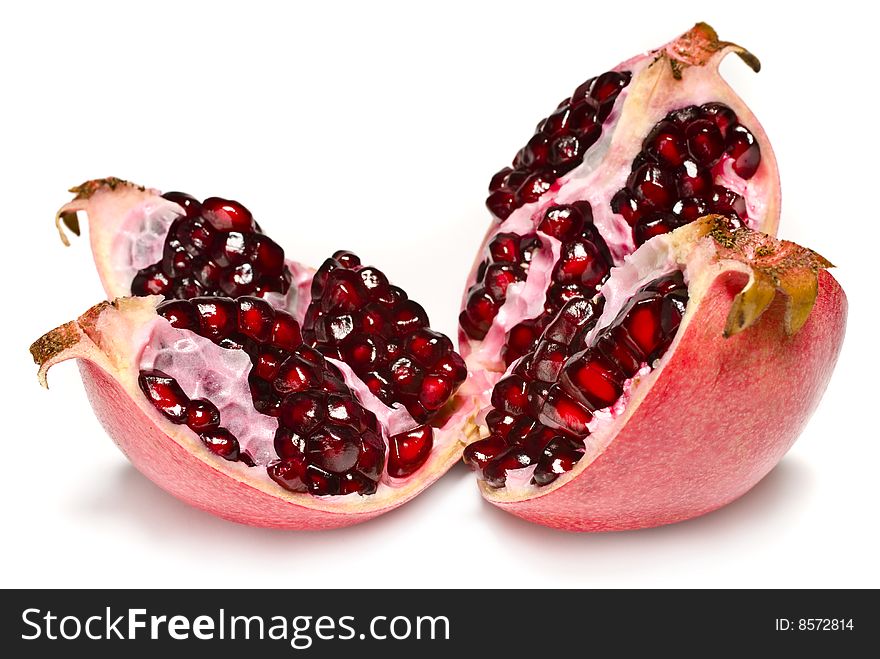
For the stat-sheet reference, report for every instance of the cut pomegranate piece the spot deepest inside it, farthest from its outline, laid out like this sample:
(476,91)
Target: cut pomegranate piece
(356,316)
(636,152)
(652,412)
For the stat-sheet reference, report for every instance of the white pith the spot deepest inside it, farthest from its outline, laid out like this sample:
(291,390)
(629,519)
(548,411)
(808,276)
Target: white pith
(141,236)
(205,370)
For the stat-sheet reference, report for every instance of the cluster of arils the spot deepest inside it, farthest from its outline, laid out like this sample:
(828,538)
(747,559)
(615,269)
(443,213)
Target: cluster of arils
(507,262)
(673,179)
(357,317)
(542,410)
(583,266)
(214,248)
(558,145)
(327,443)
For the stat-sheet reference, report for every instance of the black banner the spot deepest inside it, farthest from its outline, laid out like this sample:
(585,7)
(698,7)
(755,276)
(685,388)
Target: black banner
(391,623)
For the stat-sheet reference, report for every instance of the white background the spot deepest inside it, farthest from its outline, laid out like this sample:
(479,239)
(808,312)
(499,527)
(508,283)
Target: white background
(375,127)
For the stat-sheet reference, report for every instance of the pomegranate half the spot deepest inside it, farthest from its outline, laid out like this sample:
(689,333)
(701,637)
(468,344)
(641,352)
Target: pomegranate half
(261,390)
(713,348)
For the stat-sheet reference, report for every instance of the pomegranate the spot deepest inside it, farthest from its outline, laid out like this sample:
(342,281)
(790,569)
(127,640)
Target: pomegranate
(675,395)
(651,145)
(261,390)
(148,243)
(629,361)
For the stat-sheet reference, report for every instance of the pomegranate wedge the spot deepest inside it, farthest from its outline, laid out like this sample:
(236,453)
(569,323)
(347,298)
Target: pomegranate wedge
(712,349)
(650,145)
(264,391)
